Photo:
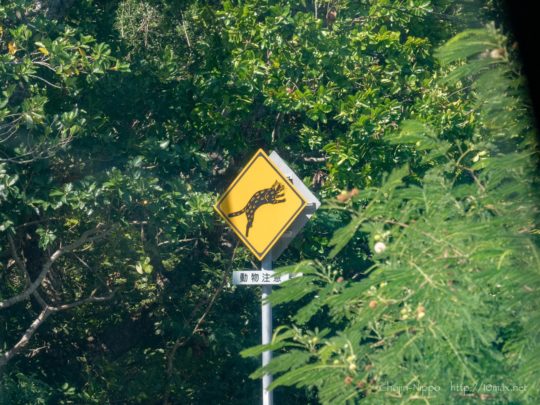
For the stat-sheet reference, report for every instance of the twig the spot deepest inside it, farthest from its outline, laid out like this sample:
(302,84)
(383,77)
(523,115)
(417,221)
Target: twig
(441,241)
(476,180)
(37,221)
(91,298)
(183,340)
(45,65)
(277,124)
(45,81)
(315,159)
(90,268)
(185,31)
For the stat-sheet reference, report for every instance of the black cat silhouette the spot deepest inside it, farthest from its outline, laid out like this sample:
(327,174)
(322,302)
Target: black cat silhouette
(272,195)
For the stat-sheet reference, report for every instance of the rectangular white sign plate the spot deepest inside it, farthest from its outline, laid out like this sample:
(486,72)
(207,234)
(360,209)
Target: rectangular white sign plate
(259,277)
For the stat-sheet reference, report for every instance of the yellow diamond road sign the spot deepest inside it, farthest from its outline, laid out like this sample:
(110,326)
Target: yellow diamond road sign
(260,204)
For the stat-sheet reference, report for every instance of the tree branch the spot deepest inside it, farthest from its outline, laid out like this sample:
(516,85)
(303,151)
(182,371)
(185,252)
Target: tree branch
(47,310)
(88,236)
(23,341)
(91,298)
(22,266)
(44,314)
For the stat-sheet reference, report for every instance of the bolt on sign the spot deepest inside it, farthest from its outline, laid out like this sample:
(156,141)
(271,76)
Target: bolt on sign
(260,204)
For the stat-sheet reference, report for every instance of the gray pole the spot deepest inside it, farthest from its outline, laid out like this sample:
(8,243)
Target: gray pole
(268,397)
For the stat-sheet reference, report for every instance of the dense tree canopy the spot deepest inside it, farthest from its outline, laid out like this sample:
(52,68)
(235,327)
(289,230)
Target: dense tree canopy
(121,122)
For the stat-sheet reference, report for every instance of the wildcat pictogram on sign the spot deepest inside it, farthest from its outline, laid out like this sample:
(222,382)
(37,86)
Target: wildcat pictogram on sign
(272,195)
(260,204)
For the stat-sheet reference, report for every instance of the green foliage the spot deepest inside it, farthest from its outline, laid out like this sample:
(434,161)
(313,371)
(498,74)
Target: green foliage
(127,118)
(450,297)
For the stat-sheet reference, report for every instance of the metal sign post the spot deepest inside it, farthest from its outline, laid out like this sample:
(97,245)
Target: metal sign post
(266,205)
(266,311)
